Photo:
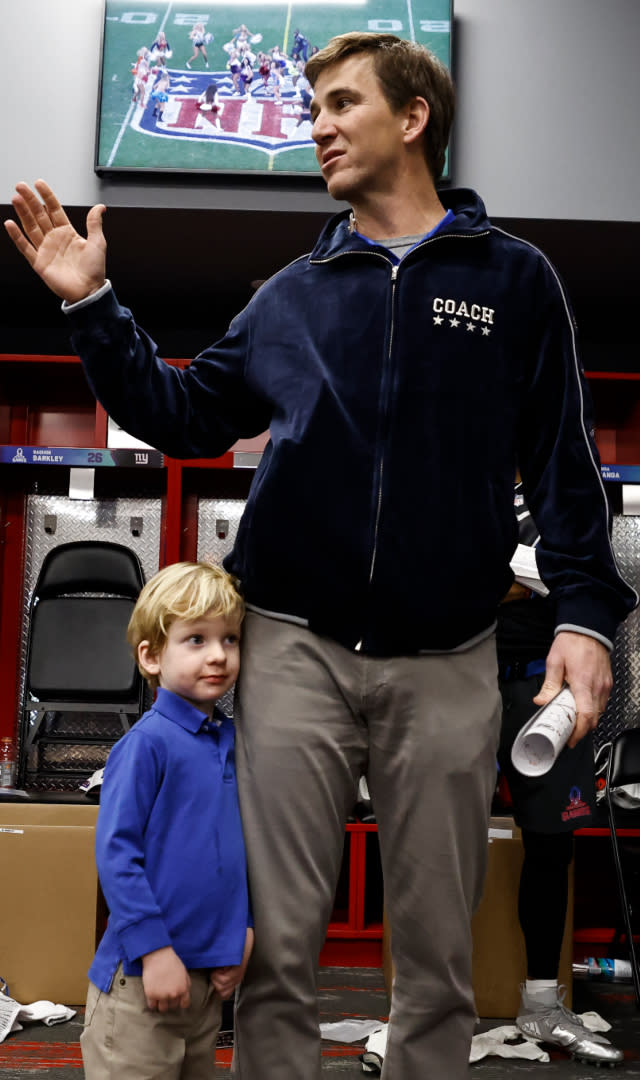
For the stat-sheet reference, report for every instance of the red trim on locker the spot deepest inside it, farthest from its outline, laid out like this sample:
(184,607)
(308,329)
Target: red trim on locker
(12,579)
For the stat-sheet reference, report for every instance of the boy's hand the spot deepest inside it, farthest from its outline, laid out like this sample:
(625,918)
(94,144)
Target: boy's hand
(165,980)
(73,267)
(225,979)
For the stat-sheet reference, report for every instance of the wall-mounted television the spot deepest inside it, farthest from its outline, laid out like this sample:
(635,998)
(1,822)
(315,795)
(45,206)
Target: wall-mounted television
(217,86)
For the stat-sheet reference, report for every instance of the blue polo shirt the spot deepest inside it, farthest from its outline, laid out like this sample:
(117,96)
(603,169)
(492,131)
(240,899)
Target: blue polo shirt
(169,845)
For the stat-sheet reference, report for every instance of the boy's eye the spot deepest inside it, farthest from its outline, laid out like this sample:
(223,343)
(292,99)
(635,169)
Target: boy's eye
(196,639)
(232,639)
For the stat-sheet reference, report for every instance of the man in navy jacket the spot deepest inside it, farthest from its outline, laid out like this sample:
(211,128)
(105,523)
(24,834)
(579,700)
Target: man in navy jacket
(416,344)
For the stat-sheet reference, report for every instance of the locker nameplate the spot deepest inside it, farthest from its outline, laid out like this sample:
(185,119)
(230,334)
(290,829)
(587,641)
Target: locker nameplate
(79,456)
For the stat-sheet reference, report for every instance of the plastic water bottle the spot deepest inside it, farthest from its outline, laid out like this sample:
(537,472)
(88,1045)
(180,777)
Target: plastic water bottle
(609,967)
(7,762)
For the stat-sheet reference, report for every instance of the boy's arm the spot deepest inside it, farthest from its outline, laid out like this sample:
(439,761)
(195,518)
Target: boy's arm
(131,779)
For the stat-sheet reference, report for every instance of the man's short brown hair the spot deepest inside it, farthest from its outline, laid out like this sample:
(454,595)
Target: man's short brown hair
(404,70)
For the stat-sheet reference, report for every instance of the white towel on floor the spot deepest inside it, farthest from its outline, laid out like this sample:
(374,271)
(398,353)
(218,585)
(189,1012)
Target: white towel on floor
(496,1041)
(12,1012)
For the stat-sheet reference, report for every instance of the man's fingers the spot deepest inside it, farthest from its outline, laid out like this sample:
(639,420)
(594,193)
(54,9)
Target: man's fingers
(587,712)
(94,223)
(581,727)
(55,212)
(21,242)
(32,213)
(551,686)
(38,216)
(26,216)
(553,681)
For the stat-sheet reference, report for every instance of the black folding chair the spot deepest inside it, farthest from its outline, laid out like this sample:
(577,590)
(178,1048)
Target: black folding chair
(78,659)
(624,769)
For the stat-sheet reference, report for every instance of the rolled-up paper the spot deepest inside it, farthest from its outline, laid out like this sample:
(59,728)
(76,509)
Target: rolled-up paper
(541,739)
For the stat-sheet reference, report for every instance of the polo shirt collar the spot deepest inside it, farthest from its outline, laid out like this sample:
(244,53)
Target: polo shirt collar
(180,711)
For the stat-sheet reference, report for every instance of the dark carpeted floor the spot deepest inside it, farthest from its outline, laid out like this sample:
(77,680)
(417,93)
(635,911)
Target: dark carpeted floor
(359,992)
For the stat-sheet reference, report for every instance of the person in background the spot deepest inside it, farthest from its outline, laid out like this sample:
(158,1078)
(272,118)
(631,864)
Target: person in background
(300,49)
(547,809)
(161,48)
(169,845)
(140,72)
(416,344)
(160,96)
(199,40)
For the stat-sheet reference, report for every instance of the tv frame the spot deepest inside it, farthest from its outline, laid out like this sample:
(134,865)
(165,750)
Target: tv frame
(234,142)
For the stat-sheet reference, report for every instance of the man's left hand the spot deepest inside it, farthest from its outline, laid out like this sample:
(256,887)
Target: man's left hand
(582,663)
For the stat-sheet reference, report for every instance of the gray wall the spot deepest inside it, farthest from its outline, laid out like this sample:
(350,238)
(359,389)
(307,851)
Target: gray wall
(549,97)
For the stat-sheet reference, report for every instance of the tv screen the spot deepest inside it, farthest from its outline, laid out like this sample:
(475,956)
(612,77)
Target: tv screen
(219,87)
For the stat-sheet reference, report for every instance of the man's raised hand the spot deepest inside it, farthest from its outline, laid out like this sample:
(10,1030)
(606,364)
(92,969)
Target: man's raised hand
(73,267)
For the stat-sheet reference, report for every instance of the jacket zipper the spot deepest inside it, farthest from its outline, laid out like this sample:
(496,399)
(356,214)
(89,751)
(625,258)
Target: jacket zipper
(394,275)
(376,526)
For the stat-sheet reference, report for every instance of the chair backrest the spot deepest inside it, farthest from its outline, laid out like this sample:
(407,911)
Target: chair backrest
(624,760)
(89,566)
(81,607)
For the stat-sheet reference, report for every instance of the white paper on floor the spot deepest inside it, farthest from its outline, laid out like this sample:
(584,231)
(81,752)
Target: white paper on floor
(350,1031)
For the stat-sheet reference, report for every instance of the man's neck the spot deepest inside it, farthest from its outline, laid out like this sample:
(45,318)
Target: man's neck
(381,219)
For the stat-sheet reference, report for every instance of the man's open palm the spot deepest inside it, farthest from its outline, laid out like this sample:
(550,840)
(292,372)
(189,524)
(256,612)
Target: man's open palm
(73,267)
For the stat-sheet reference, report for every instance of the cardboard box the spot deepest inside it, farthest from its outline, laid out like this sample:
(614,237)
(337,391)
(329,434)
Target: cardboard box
(49,900)
(499,958)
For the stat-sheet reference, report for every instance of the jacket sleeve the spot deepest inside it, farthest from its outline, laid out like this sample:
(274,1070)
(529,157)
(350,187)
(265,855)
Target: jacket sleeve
(131,779)
(198,411)
(560,469)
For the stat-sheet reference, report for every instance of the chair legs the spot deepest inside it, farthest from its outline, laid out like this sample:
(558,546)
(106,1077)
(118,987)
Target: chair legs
(625,904)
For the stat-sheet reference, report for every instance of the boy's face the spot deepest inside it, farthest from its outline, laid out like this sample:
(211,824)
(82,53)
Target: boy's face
(200,660)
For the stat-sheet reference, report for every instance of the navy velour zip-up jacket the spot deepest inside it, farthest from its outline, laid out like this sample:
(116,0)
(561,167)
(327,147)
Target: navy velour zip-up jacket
(385,385)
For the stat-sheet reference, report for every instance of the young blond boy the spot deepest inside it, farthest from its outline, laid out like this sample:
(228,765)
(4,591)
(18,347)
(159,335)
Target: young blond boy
(169,844)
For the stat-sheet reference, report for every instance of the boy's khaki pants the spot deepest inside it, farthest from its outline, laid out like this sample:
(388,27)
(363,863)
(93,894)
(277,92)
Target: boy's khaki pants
(124,1040)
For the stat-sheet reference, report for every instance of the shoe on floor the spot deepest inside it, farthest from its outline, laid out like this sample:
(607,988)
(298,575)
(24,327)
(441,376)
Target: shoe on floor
(371,1063)
(558,1026)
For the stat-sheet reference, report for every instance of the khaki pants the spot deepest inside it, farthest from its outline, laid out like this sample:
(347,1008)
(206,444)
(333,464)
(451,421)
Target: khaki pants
(125,1040)
(312,716)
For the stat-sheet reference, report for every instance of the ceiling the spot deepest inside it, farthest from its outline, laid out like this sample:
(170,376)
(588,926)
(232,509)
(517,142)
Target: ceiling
(186,273)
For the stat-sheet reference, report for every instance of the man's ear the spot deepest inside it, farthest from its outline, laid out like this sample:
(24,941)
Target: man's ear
(147,659)
(416,119)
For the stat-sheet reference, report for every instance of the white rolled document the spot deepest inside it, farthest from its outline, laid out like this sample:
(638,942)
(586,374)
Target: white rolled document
(541,739)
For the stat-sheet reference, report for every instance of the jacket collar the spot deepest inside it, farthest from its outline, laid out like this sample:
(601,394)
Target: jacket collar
(471,218)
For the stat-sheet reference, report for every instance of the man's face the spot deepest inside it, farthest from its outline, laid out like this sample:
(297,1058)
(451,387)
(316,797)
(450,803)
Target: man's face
(359,140)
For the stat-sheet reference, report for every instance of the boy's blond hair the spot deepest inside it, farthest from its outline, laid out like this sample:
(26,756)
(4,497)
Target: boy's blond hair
(183,590)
